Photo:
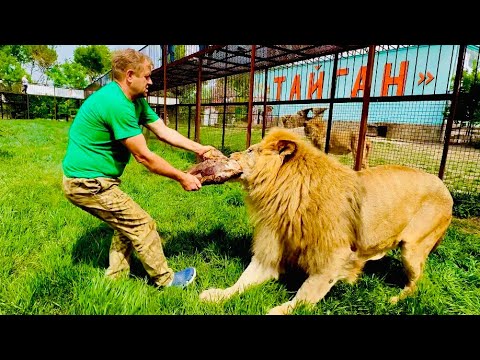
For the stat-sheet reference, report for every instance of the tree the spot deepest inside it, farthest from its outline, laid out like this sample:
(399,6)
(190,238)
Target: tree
(96,59)
(467,112)
(68,74)
(241,84)
(470,106)
(11,70)
(471,86)
(21,52)
(43,57)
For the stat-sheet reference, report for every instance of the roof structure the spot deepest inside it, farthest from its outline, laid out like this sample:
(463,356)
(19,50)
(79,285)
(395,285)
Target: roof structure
(226,60)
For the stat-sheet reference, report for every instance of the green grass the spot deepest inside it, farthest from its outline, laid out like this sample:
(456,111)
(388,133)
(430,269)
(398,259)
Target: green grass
(53,255)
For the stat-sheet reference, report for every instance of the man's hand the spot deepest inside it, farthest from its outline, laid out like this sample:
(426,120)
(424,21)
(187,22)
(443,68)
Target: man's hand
(204,149)
(190,182)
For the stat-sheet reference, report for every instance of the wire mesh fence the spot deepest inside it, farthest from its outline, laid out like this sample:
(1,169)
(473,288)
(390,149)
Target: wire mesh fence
(39,101)
(410,100)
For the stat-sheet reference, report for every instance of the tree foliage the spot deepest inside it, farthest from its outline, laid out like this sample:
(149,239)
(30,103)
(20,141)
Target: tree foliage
(18,60)
(241,85)
(68,74)
(11,70)
(42,57)
(21,52)
(96,59)
(468,107)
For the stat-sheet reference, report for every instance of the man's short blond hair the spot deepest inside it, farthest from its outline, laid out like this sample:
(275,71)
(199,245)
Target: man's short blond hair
(125,59)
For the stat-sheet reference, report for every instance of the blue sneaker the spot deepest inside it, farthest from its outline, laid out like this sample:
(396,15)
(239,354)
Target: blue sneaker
(183,278)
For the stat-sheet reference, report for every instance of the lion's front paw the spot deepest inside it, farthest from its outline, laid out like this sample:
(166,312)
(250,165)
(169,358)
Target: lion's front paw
(283,309)
(213,295)
(394,299)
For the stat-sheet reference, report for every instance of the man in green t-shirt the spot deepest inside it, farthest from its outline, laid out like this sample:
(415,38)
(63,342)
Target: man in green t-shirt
(106,130)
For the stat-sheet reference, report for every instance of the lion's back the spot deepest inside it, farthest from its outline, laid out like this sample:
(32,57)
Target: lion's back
(392,194)
(402,180)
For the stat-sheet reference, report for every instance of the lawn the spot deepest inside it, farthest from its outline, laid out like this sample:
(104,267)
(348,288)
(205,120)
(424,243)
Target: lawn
(53,255)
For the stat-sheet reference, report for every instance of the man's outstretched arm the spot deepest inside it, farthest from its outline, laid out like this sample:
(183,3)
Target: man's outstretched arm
(157,165)
(174,138)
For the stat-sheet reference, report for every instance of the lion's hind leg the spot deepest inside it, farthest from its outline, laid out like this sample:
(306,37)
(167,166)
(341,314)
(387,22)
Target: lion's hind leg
(418,239)
(255,273)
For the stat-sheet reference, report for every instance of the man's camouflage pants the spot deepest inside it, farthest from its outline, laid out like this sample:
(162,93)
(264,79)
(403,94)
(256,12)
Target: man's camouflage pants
(133,227)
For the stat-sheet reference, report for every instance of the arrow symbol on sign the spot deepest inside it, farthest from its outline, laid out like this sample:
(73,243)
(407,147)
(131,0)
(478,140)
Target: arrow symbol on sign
(430,78)
(422,78)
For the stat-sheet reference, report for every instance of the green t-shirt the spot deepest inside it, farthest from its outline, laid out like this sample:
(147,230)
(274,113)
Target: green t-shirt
(107,116)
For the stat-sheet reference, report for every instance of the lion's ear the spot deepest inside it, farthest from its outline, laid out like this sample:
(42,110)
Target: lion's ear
(286,147)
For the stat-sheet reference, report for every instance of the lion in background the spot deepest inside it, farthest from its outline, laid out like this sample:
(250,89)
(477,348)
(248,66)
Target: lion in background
(312,212)
(294,121)
(341,141)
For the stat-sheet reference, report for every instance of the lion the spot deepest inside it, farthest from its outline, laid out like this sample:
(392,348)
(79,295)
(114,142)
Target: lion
(341,141)
(314,213)
(294,121)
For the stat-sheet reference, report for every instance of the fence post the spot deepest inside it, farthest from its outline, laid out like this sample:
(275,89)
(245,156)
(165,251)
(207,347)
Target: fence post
(54,104)
(198,101)
(366,103)
(330,105)
(224,120)
(176,108)
(453,107)
(189,116)
(250,96)
(265,88)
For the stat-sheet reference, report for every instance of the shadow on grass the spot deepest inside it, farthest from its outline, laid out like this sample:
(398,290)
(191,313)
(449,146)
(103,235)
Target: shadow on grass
(93,247)
(224,243)
(389,269)
(6,154)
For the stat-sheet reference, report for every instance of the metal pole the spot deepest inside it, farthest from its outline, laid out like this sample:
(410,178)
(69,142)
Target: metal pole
(198,101)
(330,106)
(453,107)
(224,122)
(189,117)
(250,96)
(265,87)
(366,102)
(224,112)
(165,84)
(54,103)
(176,108)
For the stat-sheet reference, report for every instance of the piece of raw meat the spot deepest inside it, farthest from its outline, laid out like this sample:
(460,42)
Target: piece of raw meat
(216,168)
